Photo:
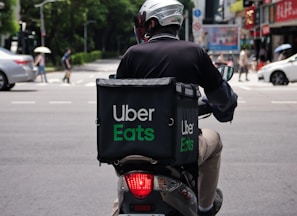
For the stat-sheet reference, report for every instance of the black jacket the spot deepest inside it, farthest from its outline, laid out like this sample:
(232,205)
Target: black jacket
(166,56)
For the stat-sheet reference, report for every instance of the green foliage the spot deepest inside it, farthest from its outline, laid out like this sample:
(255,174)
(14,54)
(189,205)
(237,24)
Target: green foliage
(109,54)
(82,57)
(65,22)
(9,23)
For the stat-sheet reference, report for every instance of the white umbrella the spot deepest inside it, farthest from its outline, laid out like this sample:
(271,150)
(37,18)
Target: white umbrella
(282,47)
(42,49)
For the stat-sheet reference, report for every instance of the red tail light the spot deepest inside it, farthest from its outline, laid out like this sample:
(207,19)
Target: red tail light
(22,62)
(140,184)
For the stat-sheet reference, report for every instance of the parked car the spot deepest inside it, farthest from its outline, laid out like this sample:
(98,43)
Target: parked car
(15,68)
(280,72)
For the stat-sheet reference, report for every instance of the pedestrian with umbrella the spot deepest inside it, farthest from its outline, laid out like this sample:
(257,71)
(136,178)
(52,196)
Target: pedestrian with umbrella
(40,62)
(282,50)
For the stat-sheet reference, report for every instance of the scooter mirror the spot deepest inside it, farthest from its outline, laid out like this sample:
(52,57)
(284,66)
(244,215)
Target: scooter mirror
(226,72)
(112,76)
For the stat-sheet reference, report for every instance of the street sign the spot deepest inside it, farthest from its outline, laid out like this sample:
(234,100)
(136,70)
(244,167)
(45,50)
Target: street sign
(197,13)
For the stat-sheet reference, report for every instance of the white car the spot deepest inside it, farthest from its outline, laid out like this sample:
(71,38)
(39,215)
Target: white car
(281,72)
(15,68)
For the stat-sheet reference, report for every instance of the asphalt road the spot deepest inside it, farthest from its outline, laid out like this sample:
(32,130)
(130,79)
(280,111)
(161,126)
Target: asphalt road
(48,149)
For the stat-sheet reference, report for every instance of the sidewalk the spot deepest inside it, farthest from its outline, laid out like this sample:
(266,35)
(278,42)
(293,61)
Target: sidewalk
(100,65)
(110,65)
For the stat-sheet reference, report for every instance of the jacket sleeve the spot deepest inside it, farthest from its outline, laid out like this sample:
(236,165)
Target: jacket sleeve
(223,101)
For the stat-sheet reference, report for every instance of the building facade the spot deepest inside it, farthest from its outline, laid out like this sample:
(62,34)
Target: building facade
(263,23)
(272,23)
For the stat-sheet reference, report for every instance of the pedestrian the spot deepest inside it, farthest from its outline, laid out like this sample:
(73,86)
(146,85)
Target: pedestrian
(221,60)
(263,54)
(66,59)
(230,62)
(160,22)
(262,57)
(204,41)
(243,64)
(282,56)
(40,63)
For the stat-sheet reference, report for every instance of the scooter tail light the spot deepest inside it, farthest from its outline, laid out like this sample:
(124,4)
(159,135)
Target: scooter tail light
(140,184)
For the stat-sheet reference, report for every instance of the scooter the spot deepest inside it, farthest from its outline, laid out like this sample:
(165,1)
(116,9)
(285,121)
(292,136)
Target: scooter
(148,185)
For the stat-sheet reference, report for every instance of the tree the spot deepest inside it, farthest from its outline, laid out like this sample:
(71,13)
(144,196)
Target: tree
(9,25)
(64,23)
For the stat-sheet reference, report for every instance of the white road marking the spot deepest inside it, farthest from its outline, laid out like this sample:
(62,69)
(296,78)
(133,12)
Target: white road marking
(278,89)
(245,88)
(90,84)
(284,102)
(42,84)
(54,80)
(60,102)
(23,102)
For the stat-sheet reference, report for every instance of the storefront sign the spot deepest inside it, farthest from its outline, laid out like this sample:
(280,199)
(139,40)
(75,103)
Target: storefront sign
(286,10)
(265,30)
(249,18)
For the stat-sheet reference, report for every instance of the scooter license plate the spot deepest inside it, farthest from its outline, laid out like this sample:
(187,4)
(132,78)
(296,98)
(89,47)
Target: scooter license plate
(141,215)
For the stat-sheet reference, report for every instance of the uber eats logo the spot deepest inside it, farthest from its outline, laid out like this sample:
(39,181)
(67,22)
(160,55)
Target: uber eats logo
(187,144)
(126,114)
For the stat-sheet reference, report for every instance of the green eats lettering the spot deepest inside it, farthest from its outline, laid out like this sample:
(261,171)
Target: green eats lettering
(132,134)
(186,144)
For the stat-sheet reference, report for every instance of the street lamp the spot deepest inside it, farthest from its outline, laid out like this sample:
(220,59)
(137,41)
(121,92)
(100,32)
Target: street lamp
(42,29)
(86,33)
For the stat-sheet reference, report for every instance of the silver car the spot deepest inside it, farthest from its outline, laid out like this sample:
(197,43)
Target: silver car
(15,68)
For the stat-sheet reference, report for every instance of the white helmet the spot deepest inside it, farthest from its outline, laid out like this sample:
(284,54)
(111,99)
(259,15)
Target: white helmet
(167,12)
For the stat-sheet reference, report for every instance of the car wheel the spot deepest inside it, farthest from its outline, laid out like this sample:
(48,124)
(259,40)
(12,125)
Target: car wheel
(279,78)
(3,82)
(11,85)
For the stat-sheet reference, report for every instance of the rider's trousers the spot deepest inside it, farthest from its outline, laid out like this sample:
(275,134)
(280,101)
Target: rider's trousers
(210,148)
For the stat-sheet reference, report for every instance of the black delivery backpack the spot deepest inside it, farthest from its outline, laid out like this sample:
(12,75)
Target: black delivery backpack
(156,118)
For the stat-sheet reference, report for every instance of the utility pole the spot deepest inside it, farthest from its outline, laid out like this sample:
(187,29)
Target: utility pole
(42,29)
(86,33)
(187,25)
